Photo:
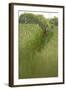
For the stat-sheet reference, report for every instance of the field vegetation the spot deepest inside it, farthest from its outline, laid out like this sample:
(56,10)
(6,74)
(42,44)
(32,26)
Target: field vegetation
(38,46)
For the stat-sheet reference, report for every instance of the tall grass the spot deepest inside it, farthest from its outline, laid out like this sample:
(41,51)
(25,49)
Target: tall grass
(38,55)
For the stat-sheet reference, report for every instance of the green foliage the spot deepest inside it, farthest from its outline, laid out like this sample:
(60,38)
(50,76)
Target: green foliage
(37,54)
(30,36)
(27,18)
(34,19)
(54,21)
(38,45)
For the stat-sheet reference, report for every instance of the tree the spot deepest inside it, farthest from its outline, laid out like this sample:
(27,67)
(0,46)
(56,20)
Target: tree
(35,19)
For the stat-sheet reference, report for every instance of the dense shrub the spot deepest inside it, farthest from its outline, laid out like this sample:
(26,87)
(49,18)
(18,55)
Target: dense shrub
(34,19)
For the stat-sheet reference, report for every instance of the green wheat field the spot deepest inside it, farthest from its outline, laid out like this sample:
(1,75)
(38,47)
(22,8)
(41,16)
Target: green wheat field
(38,46)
